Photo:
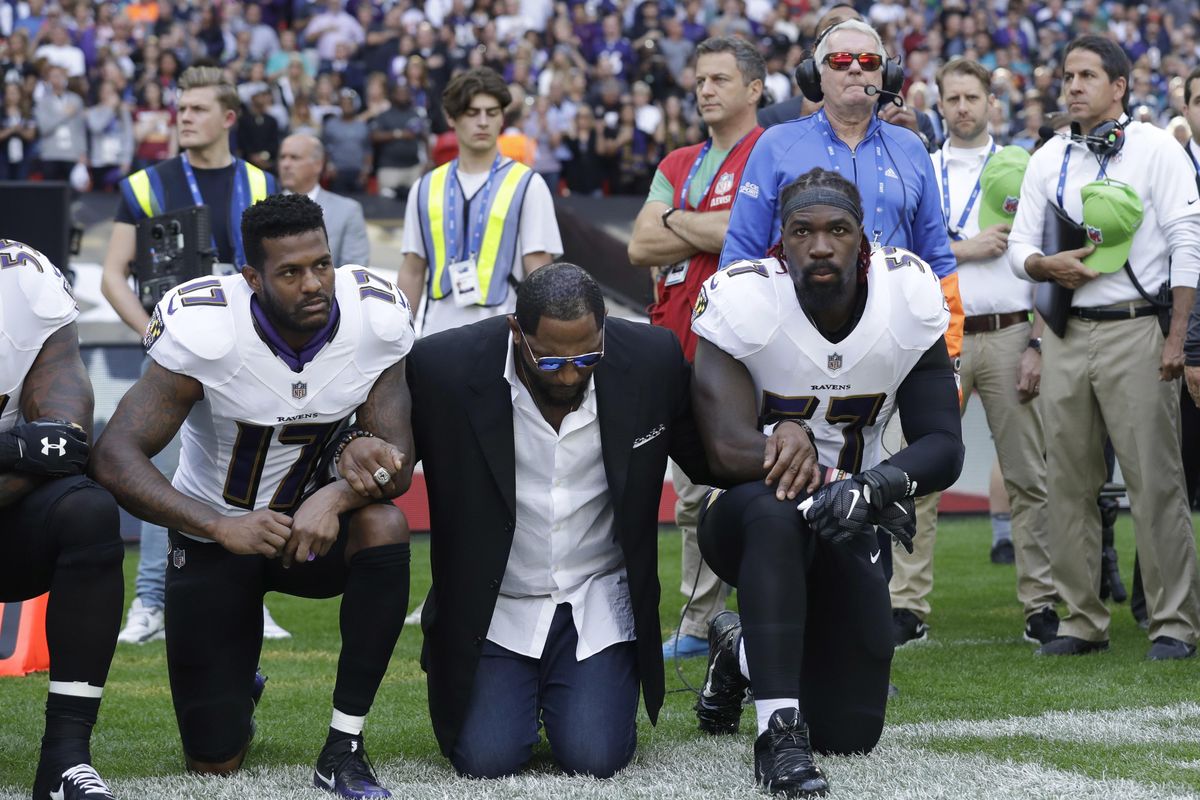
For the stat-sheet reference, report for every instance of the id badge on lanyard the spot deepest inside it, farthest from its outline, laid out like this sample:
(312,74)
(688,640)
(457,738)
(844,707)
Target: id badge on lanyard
(464,282)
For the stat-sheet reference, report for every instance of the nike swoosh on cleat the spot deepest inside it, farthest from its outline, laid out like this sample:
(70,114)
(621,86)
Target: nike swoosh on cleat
(327,781)
(875,556)
(58,794)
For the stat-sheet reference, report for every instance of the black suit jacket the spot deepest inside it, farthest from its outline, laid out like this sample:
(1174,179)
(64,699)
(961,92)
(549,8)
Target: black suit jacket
(463,426)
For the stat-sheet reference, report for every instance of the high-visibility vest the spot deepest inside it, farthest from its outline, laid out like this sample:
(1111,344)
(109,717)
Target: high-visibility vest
(146,195)
(498,250)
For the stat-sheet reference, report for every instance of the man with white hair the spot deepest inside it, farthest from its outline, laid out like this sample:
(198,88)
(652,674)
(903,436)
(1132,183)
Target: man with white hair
(301,159)
(888,164)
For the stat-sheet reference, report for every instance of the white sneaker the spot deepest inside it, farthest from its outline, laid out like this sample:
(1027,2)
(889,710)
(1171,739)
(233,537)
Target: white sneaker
(142,624)
(415,617)
(271,628)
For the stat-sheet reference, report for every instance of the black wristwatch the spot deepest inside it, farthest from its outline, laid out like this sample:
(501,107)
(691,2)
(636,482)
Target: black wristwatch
(666,214)
(1035,344)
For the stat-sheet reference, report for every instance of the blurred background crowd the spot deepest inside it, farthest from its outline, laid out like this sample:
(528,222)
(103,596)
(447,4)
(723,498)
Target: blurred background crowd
(602,88)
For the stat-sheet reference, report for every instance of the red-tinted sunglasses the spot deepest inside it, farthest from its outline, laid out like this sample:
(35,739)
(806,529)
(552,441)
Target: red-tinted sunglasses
(842,61)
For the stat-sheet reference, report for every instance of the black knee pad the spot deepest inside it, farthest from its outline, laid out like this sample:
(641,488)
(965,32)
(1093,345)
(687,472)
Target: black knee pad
(215,732)
(85,519)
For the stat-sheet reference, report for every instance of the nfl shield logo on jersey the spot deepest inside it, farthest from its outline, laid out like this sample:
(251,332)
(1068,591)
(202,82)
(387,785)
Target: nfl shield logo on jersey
(178,557)
(835,362)
(299,390)
(724,183)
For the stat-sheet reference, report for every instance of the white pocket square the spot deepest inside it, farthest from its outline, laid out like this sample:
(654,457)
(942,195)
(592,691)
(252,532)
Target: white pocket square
(653,434)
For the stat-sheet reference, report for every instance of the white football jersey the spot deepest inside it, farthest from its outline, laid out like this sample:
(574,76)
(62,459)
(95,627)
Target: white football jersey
(35,301)
(255,439)
(845,391)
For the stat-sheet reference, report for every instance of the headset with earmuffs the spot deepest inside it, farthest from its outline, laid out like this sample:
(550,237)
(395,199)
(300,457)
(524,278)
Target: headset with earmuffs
(808,75)
(1105,140)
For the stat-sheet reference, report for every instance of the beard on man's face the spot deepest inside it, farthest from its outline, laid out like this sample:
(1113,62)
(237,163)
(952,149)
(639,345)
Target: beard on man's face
(290,319)
(551,393)
(822,289)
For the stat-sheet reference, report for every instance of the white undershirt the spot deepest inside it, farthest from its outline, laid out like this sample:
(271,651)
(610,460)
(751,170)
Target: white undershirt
(564,547)
(987,287)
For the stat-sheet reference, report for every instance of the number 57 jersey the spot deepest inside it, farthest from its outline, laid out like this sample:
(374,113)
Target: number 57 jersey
(845,390)
(256,438)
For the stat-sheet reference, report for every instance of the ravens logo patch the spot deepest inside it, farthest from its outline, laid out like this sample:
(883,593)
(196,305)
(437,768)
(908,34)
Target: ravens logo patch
(701,303)
(154,329)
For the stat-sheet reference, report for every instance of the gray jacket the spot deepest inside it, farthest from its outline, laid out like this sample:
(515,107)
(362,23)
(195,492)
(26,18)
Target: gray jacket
(347,229)
(60,123)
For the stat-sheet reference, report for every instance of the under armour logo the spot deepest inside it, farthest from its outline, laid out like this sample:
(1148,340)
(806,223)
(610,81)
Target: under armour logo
(61,447)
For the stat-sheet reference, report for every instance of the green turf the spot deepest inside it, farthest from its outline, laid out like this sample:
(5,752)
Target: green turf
(975,667)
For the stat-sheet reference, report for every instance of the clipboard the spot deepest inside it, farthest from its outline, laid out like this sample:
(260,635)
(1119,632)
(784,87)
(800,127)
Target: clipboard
(1052,300)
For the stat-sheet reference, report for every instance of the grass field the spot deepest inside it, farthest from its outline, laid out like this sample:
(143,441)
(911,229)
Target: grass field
(977,716)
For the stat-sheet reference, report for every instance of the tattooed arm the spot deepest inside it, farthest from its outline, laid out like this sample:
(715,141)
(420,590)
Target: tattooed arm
(56,387)
(387,413)
(148,416)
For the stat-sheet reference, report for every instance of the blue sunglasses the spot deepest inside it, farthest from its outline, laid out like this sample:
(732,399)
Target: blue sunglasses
(555,363)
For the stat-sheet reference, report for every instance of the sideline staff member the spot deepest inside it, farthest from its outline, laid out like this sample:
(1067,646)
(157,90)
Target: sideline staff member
(683,225)
(487,220)
(205,173)
(1113,372)
(889,164)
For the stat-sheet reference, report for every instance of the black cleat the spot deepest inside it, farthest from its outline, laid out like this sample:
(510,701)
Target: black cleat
(1167,648)
(719,707)
(80,782)
(1042,626)
(1003,553)
(344,770)
(907,626)
(1070,646)
(783,758)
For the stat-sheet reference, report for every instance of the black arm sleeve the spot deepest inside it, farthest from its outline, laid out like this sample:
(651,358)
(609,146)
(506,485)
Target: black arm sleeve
(928,404)
(1191,346)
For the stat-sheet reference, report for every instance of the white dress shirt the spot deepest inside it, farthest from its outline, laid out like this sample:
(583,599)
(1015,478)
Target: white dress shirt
(986,287)
(564,547)
(1153,163)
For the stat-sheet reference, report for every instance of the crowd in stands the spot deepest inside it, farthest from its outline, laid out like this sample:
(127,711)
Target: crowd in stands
(602,88)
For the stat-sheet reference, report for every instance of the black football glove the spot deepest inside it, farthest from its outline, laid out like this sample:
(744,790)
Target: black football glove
(839,511)
(50,448)
(900,520)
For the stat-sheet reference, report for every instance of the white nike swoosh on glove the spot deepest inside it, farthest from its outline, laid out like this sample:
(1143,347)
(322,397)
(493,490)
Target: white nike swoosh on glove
(853,502)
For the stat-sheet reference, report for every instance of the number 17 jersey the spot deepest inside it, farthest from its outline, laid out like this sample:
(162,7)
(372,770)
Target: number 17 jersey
(256,438)
(845,390)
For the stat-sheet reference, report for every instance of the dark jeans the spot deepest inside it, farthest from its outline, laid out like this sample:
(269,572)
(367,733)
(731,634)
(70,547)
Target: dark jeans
(589,707)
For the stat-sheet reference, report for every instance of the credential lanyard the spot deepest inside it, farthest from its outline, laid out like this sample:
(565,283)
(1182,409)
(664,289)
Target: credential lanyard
(1062,175)
(879,169)
(239,204)
(454,242)
(682,203)
(962,220)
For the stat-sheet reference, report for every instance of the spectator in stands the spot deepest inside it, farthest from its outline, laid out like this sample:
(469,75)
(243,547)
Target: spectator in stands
(343,65)
(110,126)
(347,141)
(17,66)
(288,48)
(614,49)
(264,41)
(545,126)
(399,135)
(325,102)
(331,26)
(60,52)
(18,132)
(293,83)
(258,131)
(59,115)
(676,48)
(153,129)
(585,171)
(376,96)
(382,43)
(675,131)
(301,119)
(634,154)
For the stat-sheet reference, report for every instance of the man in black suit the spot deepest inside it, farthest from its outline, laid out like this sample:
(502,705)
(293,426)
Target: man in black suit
(544,437)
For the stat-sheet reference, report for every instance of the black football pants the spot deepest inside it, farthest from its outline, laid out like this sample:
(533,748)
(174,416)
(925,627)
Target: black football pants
(816,616)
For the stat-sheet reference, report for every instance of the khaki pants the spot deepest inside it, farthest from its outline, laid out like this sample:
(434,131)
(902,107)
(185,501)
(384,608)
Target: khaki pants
(989,365)
(710,591)
(1102,378)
